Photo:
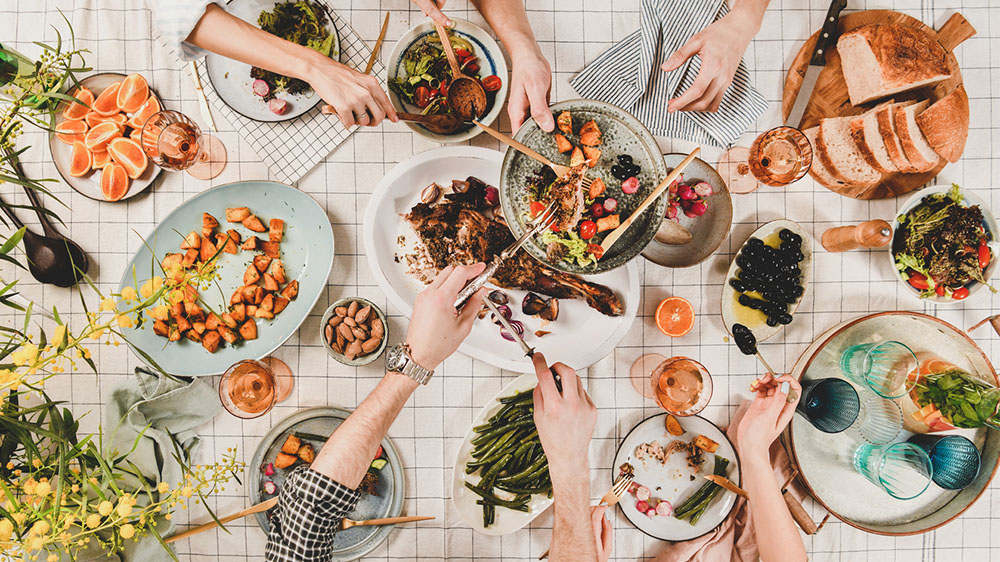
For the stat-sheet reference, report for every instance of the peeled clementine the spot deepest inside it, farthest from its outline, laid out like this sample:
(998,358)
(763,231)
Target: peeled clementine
(107,103)
(114,181)
(675,316)
(99,137)
(129,155)
(148,109)
(75,111)
(79,164)
(100,158)
(94,119)
(133,93)
(70,132)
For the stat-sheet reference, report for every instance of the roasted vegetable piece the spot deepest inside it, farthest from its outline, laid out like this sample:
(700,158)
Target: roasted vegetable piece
(565,122)
(285,460)
(210,340)
(592,154)
(705,444)
(272,249)
(208,221)
(291,290)
(251,276)
(673,426)
(192,240)
(237,214)
(278,271)
(291,445)
(276,230)
(577,157)
(253,223)
(279,304)
(590,135)
(562,143)
(260,261)
(251,243)
(249,329)
(597,188)
(207,250)
(161,328)
(307,453)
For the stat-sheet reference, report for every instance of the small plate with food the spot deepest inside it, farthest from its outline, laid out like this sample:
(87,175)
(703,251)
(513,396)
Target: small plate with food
(294,442)
(615,163)
(501,478)
(98,150)
(670,499)
(945,243)
(235,277)
(439,208)
(766,281)
(260,94)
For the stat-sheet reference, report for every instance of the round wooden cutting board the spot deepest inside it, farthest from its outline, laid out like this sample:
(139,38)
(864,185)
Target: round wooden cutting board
(830,99)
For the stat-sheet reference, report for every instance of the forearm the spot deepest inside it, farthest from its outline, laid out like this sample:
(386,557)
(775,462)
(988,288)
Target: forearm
(751,12)
(347,455)
(572,534)
(777,536)
(510,22)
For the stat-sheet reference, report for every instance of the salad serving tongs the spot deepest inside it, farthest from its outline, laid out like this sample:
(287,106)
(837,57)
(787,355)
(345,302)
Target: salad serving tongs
(534,226)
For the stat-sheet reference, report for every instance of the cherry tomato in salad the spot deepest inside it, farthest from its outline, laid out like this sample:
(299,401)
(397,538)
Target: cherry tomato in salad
(422,96)
(984,255)
(492,83)
(435,93)
(959,294)
(939,290)
(471,69)
(536,208)
(596,250)
(919,281)
(588,229)
(462,54)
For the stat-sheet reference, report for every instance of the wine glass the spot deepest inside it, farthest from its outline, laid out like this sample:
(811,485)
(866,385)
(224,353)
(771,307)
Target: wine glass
(174,142)
(777,158)
(681,386)
(249,388)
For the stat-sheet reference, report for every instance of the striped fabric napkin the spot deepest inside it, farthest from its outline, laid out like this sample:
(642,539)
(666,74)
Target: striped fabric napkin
(628,75)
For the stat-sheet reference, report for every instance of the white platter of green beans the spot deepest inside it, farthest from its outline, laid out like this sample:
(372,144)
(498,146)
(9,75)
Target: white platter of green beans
(501,479)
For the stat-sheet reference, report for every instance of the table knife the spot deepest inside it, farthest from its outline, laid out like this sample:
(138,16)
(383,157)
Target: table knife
(206,111)
(827,37)
(528,350)
(727,484)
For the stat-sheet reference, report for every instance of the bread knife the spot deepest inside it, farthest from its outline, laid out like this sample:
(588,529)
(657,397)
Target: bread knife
(827,37)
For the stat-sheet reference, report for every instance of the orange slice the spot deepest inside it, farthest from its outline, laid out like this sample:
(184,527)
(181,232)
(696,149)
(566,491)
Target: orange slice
(114,181)
(99,137)
(70,132)
(100,158)
(94,119)
(129,155)
(79,164)
(75,111)
(148,109)
(133,93)
(136,135)
(675,316)
(107,103)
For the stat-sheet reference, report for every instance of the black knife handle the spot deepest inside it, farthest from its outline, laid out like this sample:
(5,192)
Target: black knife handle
(828,34)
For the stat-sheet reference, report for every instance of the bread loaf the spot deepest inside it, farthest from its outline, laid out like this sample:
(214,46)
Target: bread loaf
(885,116)
(818,170)
(945,124)
(864,131)
(840,154)
(880,60)
(918,152)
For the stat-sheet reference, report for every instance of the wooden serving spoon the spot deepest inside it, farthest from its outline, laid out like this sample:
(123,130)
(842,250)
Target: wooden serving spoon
(441,124)
(466,95)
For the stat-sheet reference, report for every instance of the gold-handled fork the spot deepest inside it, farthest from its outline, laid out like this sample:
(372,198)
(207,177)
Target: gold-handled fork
(612,497)
(559,169)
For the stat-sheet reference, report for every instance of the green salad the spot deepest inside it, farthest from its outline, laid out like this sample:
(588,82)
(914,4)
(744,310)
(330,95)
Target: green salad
(303,22)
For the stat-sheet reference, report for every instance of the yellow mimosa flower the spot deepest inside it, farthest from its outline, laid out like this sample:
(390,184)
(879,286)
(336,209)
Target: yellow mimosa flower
(163,487)
(43,489)
(124,509)
(129,293)
(125,321)
(127,531)
(58,336)
(105,507)
(108,304)
(40,528)
(93,520)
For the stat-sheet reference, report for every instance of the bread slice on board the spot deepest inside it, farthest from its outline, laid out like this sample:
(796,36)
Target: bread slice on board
(841,156)
(915,146)
(818,170)
(945,124)
(880,60)
(886,119)
(864,131)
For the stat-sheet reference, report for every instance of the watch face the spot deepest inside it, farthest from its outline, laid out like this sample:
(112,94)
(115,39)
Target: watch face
(393,360)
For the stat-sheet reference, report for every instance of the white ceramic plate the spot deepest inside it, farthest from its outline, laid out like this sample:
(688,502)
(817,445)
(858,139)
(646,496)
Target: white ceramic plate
(672,481)
(507,520)
(580,337)
(989,222)
(733,312)
(231,78)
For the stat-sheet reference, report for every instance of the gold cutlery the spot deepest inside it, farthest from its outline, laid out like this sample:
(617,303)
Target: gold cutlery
(262,506)
(559,169)
(347,523)
(727,484)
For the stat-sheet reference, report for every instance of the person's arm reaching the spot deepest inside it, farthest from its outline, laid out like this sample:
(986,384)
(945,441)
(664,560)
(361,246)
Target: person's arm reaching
(358,98)
(720,46)
(565,422)
(778,538)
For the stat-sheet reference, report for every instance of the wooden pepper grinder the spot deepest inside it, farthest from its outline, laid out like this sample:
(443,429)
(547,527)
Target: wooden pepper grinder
(870,234)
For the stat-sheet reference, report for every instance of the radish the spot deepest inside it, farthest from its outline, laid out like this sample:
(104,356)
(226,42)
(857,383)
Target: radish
(268,469)
(672,190)
(610,204)
(642,493)
(686,192)
(633,487)
(270,488)
(261,88)
(642,506)
(651,513)
(698,208)
(630,185)
(671,212)
(703,189)
(277,106)
(664,508)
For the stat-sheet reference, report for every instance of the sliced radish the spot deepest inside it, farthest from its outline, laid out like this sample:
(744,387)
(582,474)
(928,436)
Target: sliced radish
(651,513)
(703,189)
(610,204)
(671,212)
(261,88)
(630,185)
(642,506)
(633,487)
(270,488)
(642,493)
(277,106)
(664,508)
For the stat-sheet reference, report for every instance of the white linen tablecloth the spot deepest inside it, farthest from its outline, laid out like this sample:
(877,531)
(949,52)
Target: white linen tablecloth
(428,432)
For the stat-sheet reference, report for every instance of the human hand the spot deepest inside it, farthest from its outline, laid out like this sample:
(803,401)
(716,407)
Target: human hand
(432,9)
(565,420)
(720,46)
(530,84)
(436,327)
(357,98)
(767,416)
(602,532)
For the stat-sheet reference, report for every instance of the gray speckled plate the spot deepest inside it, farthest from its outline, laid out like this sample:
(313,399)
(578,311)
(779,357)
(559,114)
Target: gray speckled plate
(622,134)
(708,231)
(348,544)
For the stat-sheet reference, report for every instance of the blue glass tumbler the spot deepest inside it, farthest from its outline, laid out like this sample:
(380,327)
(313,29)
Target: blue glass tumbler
(956,460)
(831,405)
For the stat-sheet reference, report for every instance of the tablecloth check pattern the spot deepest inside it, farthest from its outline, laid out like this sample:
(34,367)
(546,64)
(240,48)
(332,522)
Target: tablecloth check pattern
(429,430)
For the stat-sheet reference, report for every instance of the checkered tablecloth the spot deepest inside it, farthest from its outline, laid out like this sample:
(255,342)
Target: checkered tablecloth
(571,32)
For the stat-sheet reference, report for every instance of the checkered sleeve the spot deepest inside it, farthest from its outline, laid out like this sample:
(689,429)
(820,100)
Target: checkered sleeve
(308,514)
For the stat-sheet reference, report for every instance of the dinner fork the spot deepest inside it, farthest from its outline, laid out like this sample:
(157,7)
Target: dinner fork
(559,169)
(613,496)
(534,226)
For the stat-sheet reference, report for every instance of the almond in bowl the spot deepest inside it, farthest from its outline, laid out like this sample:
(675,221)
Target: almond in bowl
(354,331)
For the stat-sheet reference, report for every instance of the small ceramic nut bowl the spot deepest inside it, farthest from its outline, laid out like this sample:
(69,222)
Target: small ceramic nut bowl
(363,336)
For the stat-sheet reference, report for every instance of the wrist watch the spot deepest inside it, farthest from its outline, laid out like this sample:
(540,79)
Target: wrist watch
(399,360)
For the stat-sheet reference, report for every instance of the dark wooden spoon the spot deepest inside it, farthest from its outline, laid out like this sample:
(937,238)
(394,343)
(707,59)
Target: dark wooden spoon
(466,95)
(54,260)
(441,124)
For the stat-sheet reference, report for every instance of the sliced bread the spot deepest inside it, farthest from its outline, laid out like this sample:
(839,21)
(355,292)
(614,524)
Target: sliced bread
(885,116)
(841,156)
(945,124)
(864,131)
(918,152)
(880,60)
(818,170)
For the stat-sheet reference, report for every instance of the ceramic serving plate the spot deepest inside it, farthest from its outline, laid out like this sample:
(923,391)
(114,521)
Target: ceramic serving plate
(825,460)
(672,480)
(735,313)
(622,134)
(231,79)
(580,336)
(989,223)
(491,62)
(708,231)
(507,520)
(306,250)
(348,544)
(62,153)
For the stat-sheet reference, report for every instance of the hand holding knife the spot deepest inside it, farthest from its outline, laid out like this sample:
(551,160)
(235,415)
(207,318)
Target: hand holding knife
(827,38)
(528,350)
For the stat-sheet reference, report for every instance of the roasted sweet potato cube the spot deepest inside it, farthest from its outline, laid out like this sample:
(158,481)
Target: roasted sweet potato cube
(232,242)
(193,311)
(291,445)
(208,221)
(177,310)
(577,157)
(171,260)
(191,255)
(251,276)
(590,135)
(272,249)
(260,261)
(276,230)
(228,320)
(251,309)
(562,143)
(270,284)
(175,334)
(597,188)
(228,335)
(307,453)
(193,335)
(250,243)
(705,444)
(267,303)
(263,314)
(160,328)
(213,321)
(208,249)
(592,154)
(258,294)
(190,294)
(278,271)
(206,232)
(254,224)
(285,460)
(239,312)
(279,304)
(291,290)
(237,214)
(198,327)
(191,241)
(183,324)
(237,297)
(210,340)
(220,239)
(249,329)
(565,122)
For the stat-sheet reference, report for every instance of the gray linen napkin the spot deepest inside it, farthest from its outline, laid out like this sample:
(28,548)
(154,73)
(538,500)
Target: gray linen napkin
(628,75)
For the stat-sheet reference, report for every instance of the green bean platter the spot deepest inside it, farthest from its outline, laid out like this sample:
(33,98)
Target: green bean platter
(501,479)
